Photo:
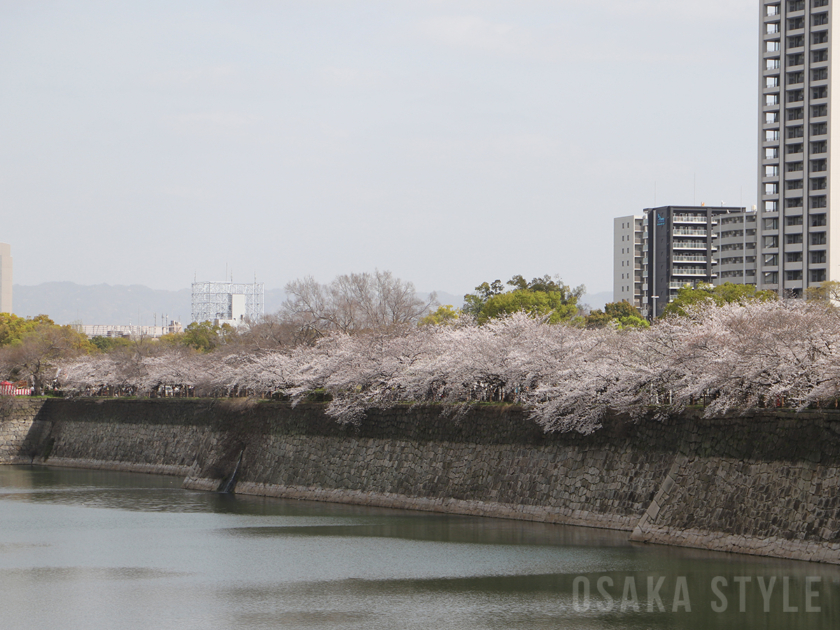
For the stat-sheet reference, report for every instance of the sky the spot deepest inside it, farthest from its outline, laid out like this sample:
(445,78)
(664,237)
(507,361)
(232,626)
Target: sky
(448,142)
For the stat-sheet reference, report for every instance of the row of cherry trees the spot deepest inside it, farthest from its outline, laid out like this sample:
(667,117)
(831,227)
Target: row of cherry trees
(734,357)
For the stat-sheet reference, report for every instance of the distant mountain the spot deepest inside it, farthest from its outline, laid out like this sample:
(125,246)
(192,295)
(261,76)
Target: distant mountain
(66,302)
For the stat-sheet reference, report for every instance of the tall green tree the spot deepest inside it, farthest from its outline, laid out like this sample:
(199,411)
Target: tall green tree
(541,297)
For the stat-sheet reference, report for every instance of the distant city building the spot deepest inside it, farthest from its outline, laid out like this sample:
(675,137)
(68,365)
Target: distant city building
(627,260)
(129,331)
(227,302)
(797,246)
(5,278)
(671,247)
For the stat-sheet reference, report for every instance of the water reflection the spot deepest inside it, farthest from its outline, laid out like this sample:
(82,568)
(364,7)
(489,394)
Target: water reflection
(91,549)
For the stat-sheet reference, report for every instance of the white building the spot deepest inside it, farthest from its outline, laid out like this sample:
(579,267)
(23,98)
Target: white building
(5,278)
(627,260)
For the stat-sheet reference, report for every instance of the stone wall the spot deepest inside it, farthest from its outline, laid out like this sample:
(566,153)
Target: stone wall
(766,485)
(20,439)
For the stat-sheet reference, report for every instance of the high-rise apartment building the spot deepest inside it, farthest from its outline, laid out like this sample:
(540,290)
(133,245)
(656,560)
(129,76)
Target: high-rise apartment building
(799,243)
(679,249)
(5,278)
(627,260)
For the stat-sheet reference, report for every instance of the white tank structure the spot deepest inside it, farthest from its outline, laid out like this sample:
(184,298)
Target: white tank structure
(228,302)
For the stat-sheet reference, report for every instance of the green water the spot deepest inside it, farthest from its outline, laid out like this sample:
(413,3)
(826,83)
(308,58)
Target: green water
(85,549)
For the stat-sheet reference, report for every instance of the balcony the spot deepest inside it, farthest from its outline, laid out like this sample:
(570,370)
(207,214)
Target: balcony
(689,258)
(690,245)
(689,218)
(689,232)
(690,271)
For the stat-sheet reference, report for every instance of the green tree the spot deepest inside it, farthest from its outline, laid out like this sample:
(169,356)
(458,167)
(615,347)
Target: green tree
(12,327)
(541,297)
(206,336)
(443,316)
(727,293)
(106,344)
(618,314)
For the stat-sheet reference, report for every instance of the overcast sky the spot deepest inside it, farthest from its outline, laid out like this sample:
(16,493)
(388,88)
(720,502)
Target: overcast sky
(449,142)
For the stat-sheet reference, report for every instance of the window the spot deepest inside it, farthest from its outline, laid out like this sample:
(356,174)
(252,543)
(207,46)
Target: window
(820,37)
(795,184)
(771,117)
(771,206)
(817,220)
(771,224)
(795,113)
(773,27)
(820,74)
(819,92)
(817,55)
(796,59)
(794,220)
(797,41)
(793,203)
(819,129)
(792,78)
(771,189)
(818,201)
(817,3)
(771,135)
(771,153)
(818,147)
(818,19)
(792,257)
(771,260)
(771,241)
(819,110)
(793,239)
(775,46)
(795,274)
(818,165)
(818,258)
(817,275)
(772,64)
(771,277)
(795,96)
(795,23)
(793,167)
(771,171)
(772,82)
(772,9)
(795,132)
(771,99)
(818,183)
(794,148)
(796,5)
(818,238)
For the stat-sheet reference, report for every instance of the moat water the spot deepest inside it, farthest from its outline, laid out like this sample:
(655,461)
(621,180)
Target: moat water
(96,550)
